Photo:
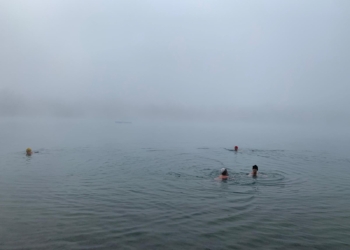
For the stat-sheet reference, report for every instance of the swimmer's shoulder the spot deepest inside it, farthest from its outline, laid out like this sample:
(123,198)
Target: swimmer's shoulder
(221,177)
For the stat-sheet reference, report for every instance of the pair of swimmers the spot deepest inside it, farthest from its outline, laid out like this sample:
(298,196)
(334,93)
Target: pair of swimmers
(224,173)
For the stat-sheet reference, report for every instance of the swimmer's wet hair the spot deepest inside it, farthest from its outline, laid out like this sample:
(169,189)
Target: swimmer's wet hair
(224,171)
(255,167)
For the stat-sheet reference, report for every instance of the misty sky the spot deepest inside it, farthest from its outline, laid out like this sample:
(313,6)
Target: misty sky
(191,60)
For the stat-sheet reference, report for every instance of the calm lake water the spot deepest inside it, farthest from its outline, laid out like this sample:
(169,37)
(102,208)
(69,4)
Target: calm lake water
(125,186)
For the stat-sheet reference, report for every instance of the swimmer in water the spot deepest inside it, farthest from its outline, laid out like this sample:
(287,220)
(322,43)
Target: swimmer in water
(29,152)
(223,175)
(254,171)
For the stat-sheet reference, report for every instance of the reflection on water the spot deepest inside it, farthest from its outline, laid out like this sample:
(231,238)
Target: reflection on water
(113,197)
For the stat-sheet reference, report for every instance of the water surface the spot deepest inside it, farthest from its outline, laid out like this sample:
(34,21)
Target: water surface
(113,187)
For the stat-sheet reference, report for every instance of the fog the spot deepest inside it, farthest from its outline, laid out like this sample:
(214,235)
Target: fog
(280,62)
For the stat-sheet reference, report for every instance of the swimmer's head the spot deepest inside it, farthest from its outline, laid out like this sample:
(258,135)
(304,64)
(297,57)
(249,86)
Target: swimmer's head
(255,169)
(224,171)
(29,151)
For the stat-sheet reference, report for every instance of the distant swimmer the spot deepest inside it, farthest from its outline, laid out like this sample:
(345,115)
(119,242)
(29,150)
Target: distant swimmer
(254,171)
(223,175)
(29,152)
